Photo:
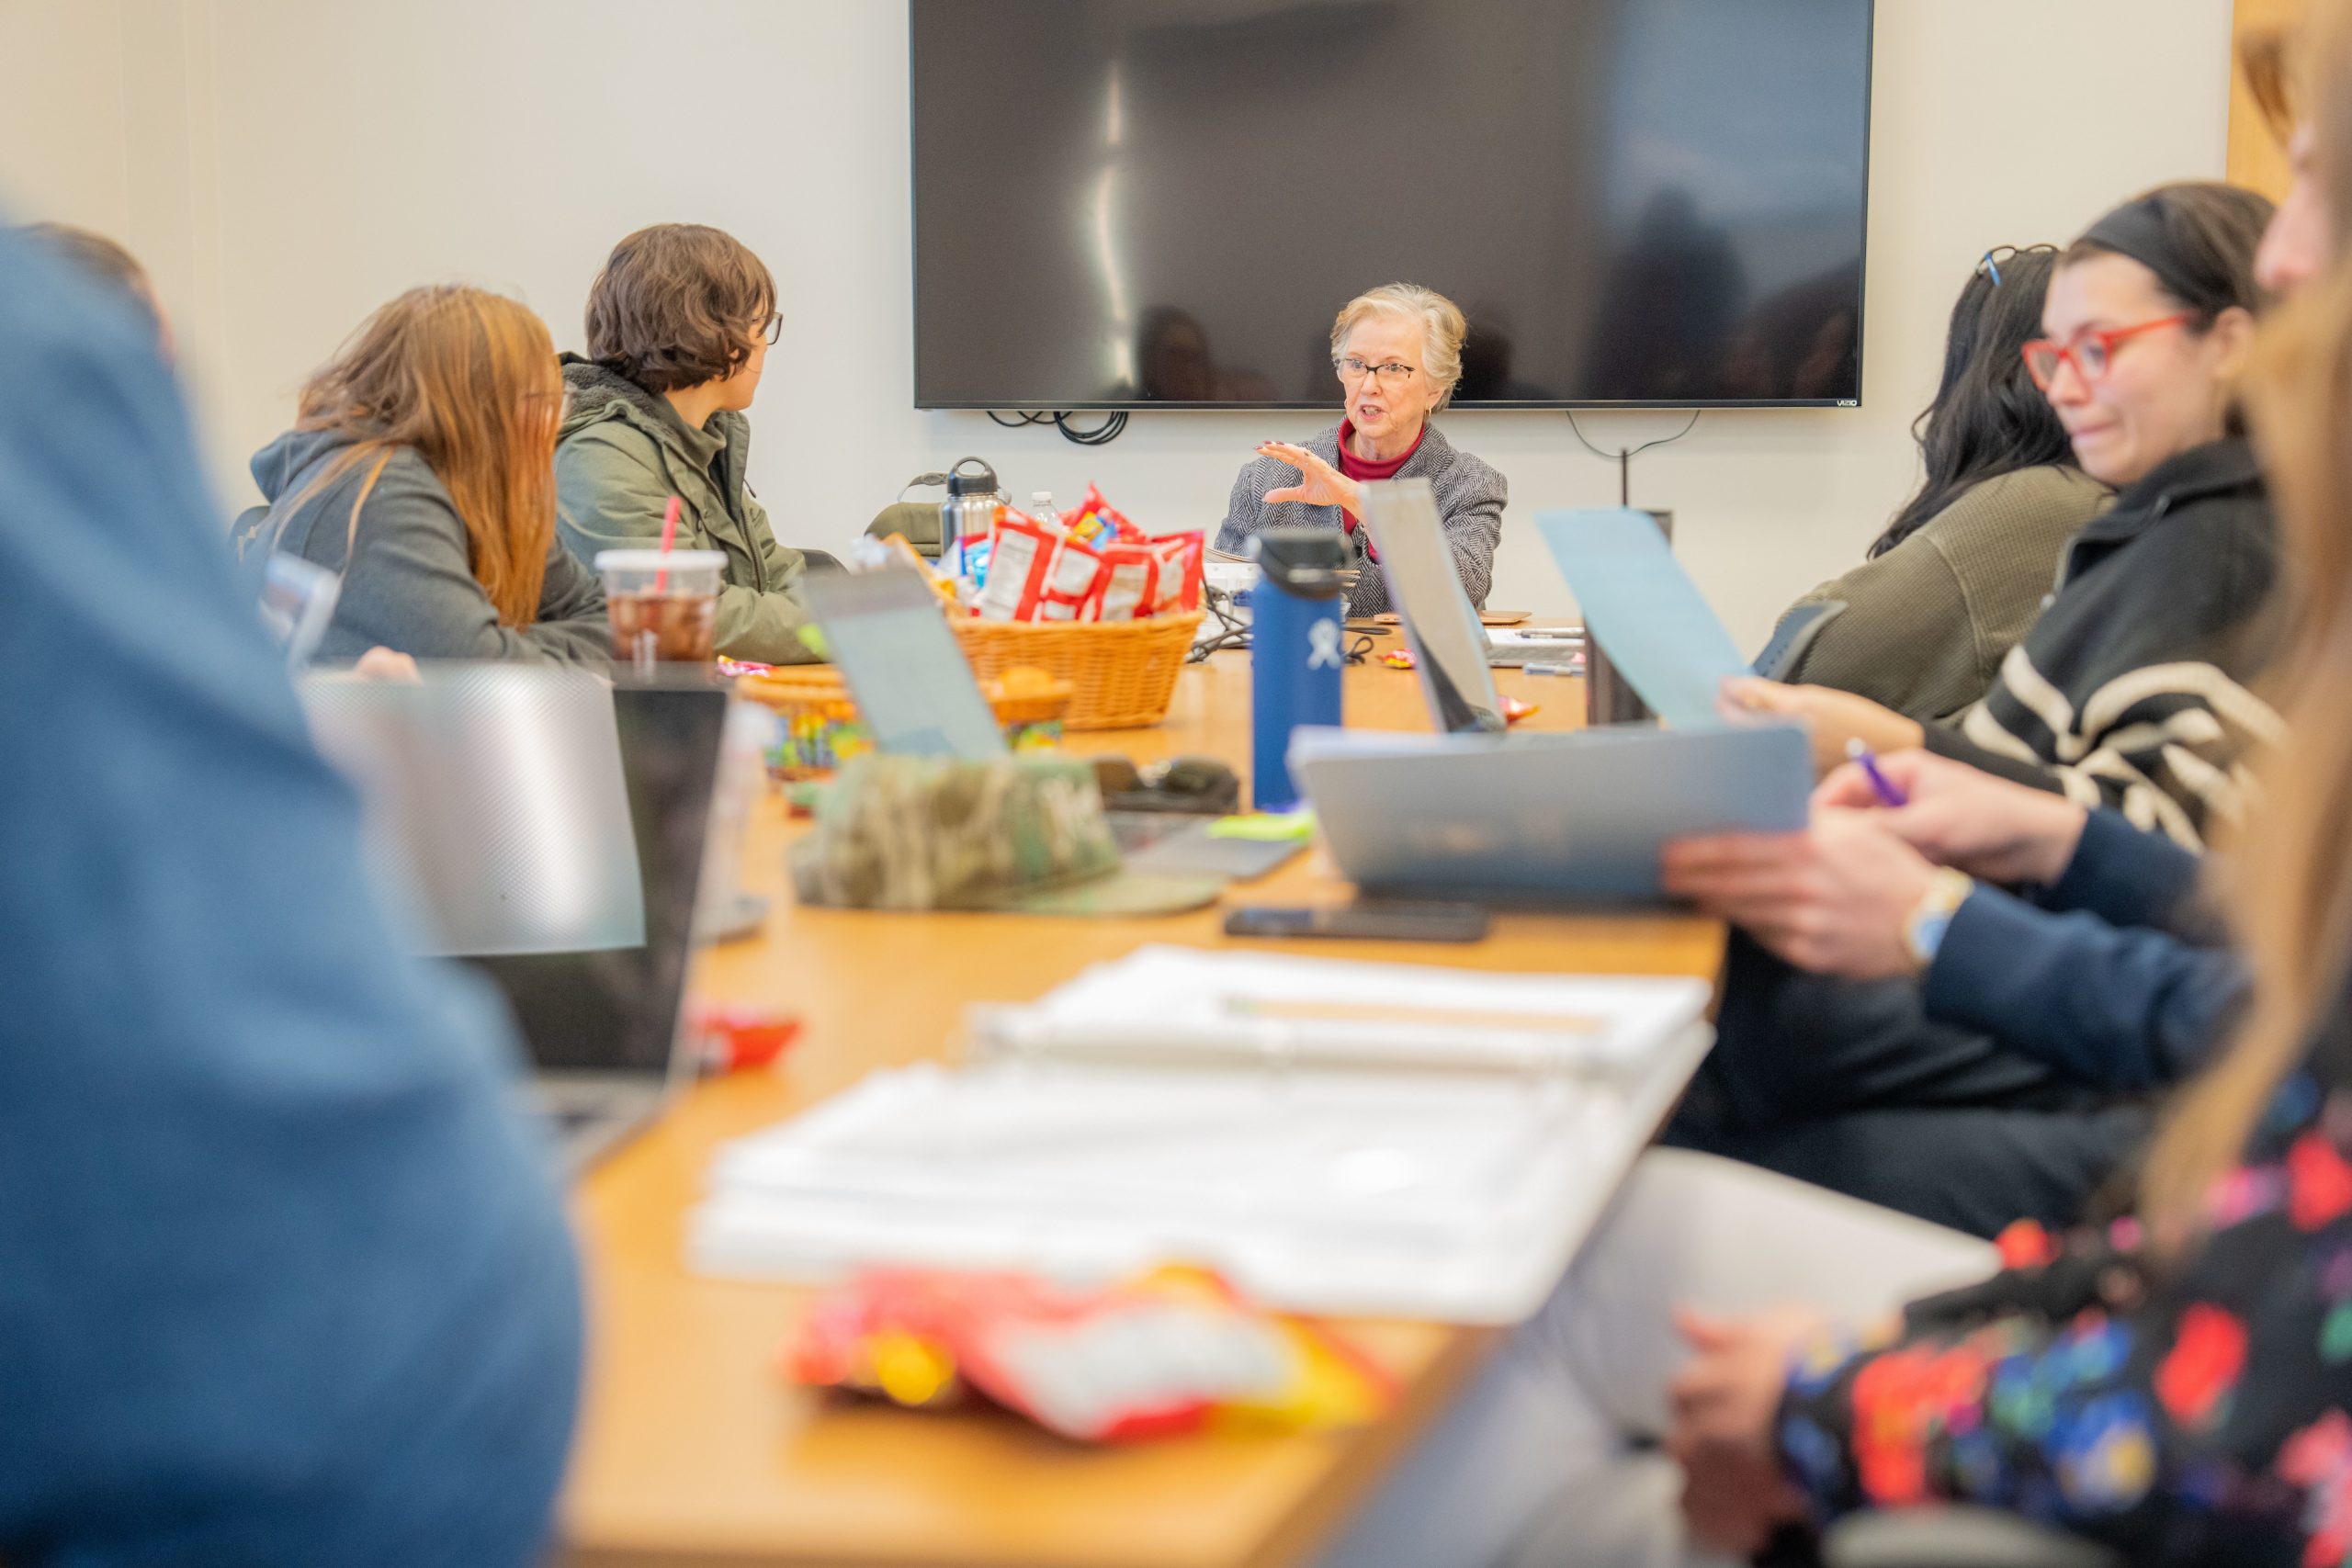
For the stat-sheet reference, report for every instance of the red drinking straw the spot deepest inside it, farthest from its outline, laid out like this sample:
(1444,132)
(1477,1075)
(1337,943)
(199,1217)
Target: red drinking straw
(669,537)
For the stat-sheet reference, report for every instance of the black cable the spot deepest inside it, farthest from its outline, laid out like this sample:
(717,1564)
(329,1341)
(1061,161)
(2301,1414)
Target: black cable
(1101,434)
(1623,457)
(1235,632)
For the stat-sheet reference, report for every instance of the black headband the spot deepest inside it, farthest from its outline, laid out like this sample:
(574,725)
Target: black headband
(2138,231)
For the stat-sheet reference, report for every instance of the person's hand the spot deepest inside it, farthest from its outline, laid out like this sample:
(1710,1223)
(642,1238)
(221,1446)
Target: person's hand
(1725,1401)
(1836,899)
(1962,816)
(1835,717)
(1319,484)
(381,663)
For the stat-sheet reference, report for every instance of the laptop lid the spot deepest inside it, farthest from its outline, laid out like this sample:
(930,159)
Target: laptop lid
(914,688)
(626,780)
(1450,652)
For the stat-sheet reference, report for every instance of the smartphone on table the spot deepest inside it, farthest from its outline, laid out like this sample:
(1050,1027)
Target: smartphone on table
(1367,922)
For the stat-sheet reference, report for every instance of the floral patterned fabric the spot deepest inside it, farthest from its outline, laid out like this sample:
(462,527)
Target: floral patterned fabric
(2196,1412)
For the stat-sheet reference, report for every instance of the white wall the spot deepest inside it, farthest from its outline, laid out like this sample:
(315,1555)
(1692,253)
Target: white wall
(287,164)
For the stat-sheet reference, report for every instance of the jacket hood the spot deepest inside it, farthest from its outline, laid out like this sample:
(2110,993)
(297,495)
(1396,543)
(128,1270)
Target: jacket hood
(278,465)
(595,388)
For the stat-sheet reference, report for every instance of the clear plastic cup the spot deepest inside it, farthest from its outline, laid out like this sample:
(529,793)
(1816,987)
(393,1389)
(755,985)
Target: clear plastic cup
(663,604)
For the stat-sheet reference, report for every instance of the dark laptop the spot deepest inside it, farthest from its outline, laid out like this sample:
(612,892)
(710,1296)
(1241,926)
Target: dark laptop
(600,896)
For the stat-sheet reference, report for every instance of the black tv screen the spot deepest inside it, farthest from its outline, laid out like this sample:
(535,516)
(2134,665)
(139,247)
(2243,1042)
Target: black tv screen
(1163,203)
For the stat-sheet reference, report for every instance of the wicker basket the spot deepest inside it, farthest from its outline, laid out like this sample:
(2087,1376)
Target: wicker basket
(822,730)
(1124,672)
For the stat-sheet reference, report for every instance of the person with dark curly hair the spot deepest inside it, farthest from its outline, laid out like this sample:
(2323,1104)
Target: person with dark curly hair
(679,324)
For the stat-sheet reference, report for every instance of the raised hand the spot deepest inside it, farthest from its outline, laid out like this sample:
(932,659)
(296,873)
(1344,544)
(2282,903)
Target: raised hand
(1319,484)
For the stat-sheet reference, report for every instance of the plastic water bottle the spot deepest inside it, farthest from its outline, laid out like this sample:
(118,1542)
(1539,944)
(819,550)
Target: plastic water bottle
(1297,614)
(1041,506)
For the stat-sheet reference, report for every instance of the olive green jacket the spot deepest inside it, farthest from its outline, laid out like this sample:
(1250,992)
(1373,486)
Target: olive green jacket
(623,452)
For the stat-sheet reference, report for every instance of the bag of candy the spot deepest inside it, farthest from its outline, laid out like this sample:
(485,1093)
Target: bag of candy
(1161,1355)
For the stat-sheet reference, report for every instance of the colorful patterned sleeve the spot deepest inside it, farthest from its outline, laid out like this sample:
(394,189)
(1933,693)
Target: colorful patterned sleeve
(2203,1413)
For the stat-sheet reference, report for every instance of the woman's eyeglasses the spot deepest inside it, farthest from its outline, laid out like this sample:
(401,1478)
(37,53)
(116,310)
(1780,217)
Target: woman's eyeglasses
(1351,369)
(2092,354)
(773,328)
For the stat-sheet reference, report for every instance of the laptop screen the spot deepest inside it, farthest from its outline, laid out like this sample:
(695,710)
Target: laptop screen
(1449,645)
(616,1009)
(885,632)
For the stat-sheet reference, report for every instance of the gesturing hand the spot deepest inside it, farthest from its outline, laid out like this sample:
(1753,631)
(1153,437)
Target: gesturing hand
(1725,1402)
(1961,817)
(1834,900)
(1319,484)
(1835,717)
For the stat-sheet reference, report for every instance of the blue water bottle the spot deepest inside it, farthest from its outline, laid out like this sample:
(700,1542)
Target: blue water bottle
(1297,615)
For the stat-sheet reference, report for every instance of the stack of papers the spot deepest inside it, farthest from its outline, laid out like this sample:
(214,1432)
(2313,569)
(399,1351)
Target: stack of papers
(1181,1003)
(1247,1113)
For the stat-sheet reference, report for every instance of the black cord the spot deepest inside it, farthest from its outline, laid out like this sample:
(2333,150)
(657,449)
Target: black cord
(1623,457)
(1235,632)
(1101,434)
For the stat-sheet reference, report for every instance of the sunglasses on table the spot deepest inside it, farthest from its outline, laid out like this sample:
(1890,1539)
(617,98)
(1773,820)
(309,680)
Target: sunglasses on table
(2092,354)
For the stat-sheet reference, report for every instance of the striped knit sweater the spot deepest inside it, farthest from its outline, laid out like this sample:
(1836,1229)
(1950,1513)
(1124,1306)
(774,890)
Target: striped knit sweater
(2132,689)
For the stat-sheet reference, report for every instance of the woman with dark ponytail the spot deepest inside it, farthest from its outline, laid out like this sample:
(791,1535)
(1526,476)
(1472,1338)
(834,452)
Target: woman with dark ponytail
(1959,575)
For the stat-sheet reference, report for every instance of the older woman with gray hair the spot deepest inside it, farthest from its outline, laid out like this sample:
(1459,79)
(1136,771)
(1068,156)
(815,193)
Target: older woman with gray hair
(1398,350)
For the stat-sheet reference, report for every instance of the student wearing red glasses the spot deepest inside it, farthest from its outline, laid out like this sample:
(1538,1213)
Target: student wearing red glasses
(2132,690)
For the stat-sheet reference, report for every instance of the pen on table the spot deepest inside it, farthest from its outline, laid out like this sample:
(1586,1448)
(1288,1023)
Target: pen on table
(1533,668)
(1888,795)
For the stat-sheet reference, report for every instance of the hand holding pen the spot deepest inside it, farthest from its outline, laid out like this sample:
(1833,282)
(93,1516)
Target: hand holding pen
(1992,828)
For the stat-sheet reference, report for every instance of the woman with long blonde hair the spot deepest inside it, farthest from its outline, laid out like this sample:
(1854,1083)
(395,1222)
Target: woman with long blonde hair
(422,468)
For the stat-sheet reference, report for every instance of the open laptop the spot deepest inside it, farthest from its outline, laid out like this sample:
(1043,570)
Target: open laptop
(1450,649)
(549,831)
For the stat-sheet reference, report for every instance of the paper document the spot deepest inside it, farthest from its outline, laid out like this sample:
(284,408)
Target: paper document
(1649,618)
(1377,1163)
(1183,1003)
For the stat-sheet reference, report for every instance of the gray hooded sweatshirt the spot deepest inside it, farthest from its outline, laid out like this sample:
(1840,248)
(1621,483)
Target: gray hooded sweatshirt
(408,580)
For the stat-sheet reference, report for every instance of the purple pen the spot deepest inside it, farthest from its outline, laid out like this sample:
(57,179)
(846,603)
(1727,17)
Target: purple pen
(1884,787)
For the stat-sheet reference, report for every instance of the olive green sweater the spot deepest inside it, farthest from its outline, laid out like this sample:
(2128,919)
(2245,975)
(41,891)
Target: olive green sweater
(1926,624)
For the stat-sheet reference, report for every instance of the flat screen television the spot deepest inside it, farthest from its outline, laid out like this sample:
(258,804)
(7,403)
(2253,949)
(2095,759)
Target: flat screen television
(1124,204)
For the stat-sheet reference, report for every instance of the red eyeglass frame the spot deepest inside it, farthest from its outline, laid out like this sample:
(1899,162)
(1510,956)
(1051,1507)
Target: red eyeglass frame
(2064,353)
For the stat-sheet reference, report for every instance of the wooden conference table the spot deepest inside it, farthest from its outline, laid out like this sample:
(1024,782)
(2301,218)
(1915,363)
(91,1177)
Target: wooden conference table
(692,1452)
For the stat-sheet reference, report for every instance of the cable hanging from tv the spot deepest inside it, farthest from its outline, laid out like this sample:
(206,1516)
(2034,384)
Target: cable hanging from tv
(1101,434)
(1623,457)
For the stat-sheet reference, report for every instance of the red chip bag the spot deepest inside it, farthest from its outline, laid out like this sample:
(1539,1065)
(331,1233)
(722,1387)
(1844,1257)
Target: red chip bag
(1129,585)
(1098,522)
(1177,587)
(1073,581)
(1021,553)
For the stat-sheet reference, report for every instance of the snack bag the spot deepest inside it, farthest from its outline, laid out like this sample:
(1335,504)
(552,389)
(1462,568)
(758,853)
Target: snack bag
(1020,552)
(1094,520)
(1128,584)
(1072,584)
(1177,589)
(1171,1352)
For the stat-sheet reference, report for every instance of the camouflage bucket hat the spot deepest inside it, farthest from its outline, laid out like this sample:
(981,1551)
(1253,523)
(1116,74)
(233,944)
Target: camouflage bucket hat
(1022,834)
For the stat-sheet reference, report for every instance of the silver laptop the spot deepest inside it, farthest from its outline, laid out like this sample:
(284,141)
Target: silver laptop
(1449,651)
(547,828)
(1546,818)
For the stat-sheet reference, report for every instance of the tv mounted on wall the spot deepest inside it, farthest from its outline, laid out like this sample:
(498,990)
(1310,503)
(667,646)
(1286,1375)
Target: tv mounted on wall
(1124,204)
